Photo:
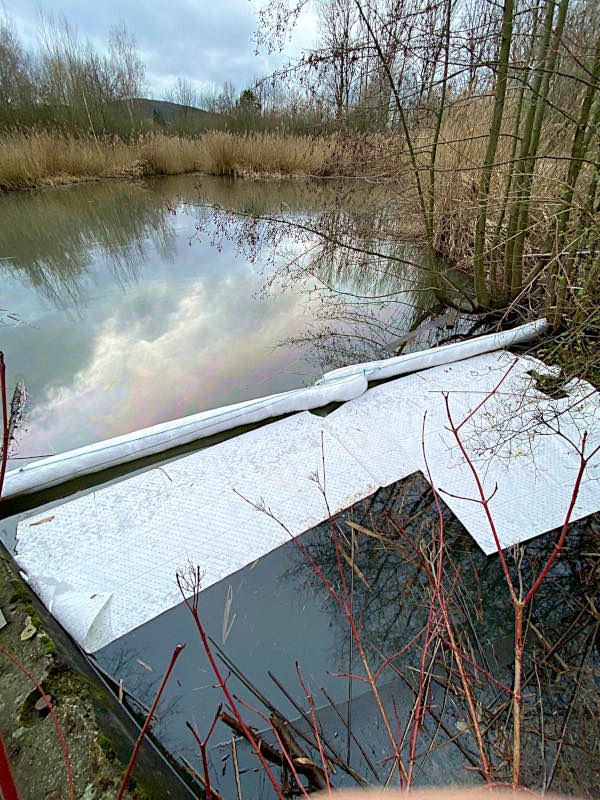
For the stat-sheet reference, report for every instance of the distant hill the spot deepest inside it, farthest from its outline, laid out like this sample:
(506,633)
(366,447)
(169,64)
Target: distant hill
(163,110)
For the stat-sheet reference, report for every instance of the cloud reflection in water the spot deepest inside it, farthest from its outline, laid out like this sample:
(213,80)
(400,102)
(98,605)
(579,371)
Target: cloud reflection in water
(130,324)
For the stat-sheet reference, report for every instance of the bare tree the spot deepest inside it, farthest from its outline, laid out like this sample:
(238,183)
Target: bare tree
(218,101)
(16,84)
(184,94)
(338,25)
(125,64)
(82,83)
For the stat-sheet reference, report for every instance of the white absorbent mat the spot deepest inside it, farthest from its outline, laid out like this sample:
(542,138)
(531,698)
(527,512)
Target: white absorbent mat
(105,563)
(521,441)
(128,540)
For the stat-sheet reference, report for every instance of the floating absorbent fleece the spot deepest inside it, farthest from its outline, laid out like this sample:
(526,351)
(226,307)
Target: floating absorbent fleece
(105,563)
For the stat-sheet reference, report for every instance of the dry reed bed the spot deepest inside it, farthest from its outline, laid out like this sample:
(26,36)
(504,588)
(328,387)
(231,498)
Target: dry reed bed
(40,158)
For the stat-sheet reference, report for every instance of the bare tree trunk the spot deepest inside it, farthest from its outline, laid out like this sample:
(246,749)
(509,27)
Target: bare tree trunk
(528,167)
(436,135)
(506,197)
(481,289)
(525,150)
(578,152)
(403,121)
(528,56)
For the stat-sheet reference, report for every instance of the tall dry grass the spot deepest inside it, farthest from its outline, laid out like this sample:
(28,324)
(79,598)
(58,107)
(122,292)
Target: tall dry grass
(32,159)
(225,153)
(39,158)
(460,154)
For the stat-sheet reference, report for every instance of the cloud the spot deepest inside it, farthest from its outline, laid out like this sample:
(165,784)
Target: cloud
(201,40)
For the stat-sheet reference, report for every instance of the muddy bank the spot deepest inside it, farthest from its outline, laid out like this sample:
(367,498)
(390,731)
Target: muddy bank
(97,740)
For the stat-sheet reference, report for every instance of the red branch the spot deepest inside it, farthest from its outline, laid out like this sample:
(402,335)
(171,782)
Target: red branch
(280,743)
(193,609)
(345,608)
(483,500)
(443,607)
(8,787)
(315,725)
(202,745)
(518,602)
(146,725)
(561,539)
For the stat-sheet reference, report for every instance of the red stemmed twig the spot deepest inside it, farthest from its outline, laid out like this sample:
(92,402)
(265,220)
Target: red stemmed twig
(443,607)
(280,743)
(192,583)
(146,725)
(344,605)
(4,421)
(202,745)
(519,602)
(8,788)
(315,725)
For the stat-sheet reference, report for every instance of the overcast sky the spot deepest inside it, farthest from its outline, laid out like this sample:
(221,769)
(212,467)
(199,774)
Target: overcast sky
(205,41)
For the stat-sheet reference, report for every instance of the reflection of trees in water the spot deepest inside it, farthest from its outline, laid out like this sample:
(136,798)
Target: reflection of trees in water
(366,285)
(259,197)
(390,596)
(391,600)
(363,312)
(54,236)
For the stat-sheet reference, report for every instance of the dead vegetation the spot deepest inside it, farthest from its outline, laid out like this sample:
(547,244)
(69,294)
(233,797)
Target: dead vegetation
(39,158)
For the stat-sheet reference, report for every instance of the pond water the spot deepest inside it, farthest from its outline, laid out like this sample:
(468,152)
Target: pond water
(125,305)
(118,313)
(275,616)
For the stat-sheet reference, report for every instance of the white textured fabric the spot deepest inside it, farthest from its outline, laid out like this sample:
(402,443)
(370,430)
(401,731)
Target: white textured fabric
(106,562)
(513,441)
